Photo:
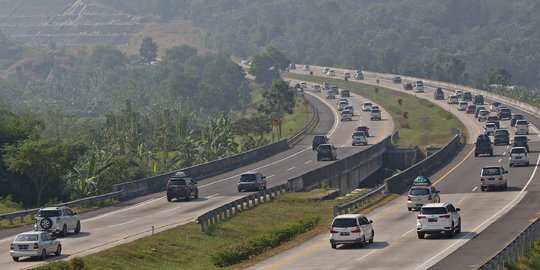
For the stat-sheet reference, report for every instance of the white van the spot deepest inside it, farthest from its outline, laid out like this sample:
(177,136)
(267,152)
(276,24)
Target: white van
(522,127)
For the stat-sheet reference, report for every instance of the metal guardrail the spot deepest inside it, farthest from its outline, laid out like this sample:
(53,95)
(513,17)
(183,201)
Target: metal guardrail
(367,198)
(228,210)
(517,248)
(314,120)
(32,212)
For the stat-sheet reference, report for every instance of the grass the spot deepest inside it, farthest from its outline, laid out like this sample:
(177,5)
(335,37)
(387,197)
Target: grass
(186,247)
(531,260)
(427,123)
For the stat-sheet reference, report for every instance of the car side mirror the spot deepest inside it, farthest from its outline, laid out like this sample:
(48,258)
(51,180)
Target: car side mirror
(74,213)
(457,209)
(505,171)
(370,221)
(194,182)
(264,177)
(438,191)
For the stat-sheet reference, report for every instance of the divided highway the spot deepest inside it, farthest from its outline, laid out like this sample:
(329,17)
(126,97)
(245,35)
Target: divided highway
(396,243)
(135,219)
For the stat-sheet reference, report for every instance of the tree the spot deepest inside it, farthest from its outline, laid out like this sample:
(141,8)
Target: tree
(267,65)
(278,101)
(43,160)
(148,50)
(498,76)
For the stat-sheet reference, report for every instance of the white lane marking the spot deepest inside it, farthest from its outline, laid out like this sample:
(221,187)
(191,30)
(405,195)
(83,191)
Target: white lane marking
(169,210)
(408,232)
(363,257)
(309,161)
(343,145)
(474,189)
(119,224)
(214,195)
(124,209)
(500,160)
(291,168)
(508,146)
(468,235)
(504,153)
(462,199)
(270,176)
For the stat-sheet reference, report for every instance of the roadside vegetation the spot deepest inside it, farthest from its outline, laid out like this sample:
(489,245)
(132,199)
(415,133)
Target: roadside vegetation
(531,260)
(426,124)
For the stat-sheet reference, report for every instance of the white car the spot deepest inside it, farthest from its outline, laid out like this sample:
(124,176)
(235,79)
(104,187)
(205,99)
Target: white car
(351,229)
(34,244)
(349,108)
(58,220)
(518,156)
(493,176)
(317,88)
(346,75)
(522,127)
(462,106)
(483,115)
(325,70)
(343,100)
(303,85)
(458,93)
(375,114)
(489,129)
(306,68)
(331,73)
(495,106)
(453,100)
(346,115)
(419,89)
(330,95)
(422,195)
(359,137)
(438,218)
(342,105)
(366,106)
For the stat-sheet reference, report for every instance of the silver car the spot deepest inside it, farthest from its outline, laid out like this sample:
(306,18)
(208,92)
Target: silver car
(34,244)
(422,195)
(359,137)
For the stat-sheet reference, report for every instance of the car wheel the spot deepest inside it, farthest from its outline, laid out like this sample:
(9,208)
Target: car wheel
(450,234)
(58,250)
(169,198)
(505,185)
(511,165)
(196,195)
(475,154)
(43,254)
(78,227)
(46,223)
(409,208)
(334,246)
(482,189)
(527,164)
(372,237)
(363,242)
(16,259)
(188,197)
(458,230)
(64,231)
(491,153)
(421,235)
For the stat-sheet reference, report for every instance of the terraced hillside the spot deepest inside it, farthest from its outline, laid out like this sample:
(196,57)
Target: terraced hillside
(66,22)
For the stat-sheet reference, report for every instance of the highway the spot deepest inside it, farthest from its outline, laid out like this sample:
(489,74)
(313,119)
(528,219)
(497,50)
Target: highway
(134,219)
(396,243)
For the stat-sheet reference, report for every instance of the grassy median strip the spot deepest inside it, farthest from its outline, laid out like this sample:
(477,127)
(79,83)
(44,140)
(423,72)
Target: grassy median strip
(426,123)
(249,237)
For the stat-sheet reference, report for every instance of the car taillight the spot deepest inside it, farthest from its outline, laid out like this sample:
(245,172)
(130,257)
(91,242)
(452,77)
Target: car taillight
(482,179)
(186,188)
(500,178)
(420,217)
(356,230)
(333,231)
(444,216)
(36,246)
(409,198)
(11,247)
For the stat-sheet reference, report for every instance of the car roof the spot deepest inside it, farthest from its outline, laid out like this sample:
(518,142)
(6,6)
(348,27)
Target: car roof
(519,147)
(429,205)
(325,144)
(251,172)
(491,167)
(31,232)
(349,216)
(420,187)
(52,208)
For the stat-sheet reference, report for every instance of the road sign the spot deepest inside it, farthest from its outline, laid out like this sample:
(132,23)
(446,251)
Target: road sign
(276,122)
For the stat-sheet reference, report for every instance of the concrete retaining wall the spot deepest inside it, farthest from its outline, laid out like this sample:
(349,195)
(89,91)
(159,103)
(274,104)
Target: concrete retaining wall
(402,181)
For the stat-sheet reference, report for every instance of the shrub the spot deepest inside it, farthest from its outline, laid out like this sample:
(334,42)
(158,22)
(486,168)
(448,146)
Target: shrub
(426,103)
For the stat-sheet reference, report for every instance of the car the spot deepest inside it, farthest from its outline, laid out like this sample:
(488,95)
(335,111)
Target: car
(344,100)
(317,88)
(419,89)
(375,114)
(490,128)
(494,119)
(182,186)
(375,107)
(483,115)
(346,75)
(364,129)
(502,136)
(330,95)
(351,229)
(349,108)
(292,66)
(438,218)
(422,195)
(518,156)
(34,244)
(325,70)
(252,180)
(334,89)
(458,93)
(408,86)
(462,106)
(307,68)
(345,93)
(522,127)
(358,137)
(57,220)
(303,85)
(396,79)
(326,152)
(516,117)
(478,100)
(358,75)
(346,115)
(438,94)
(471,109)
(366,106)
(521,141)
(477,110)
(326,85)
(419,83)
(467,96)
(453,99)
(342,105)
(483,145)
(331,73)
(493,176)
(318,140)
(494,106)
(504,113)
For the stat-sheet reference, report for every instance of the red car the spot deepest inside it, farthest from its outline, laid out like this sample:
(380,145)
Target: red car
(364,129)
(471,108)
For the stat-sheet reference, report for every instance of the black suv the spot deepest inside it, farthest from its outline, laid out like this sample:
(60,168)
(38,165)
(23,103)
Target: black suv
(467,96)
(504,113)
(396,79)
(483,146)
(439,94)
(181,186)
(522,141)
(408,86)
(502,136)
(516,117)
(478,100)
(317,140)
(326,152)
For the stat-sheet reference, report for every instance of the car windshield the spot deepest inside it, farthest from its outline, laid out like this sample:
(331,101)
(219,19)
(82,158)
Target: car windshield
(344,223)
(49,213)
(419,191)
(27,238)
(177,182)
(324,148)
(319,139)
(490,125)
(367,104)
(375,111)
(518,150)
(491,171)
(433,210)
(520,139)
(248,178)
(505,110)
(521,122)
(483,112)
(359,134)
(501,132)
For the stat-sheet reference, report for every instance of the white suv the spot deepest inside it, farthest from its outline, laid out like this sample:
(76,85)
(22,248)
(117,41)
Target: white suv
(359,137)
(58,220)
(438,218)
(422,195)
(493,176)
(522,127)
(518,156)
(351,229)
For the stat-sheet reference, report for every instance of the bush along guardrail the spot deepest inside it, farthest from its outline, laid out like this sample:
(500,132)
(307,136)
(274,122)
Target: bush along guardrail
(517,248)
(33,212)
(363,200)
(228,210)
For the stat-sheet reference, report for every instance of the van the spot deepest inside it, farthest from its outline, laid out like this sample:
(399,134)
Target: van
(439,94)
(522,127)
(478,100)
(467,96)
(345,93)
